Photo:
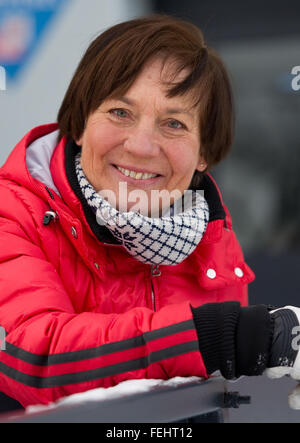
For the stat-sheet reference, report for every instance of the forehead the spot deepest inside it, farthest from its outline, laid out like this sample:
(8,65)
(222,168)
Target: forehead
(163,70)
(159,76)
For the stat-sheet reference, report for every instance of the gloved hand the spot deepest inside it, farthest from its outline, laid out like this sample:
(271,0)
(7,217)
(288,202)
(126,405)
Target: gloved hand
(284,353)
(284,357)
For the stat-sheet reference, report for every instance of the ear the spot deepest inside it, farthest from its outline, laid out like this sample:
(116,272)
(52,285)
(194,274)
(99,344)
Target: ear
(202,165)
(79,142)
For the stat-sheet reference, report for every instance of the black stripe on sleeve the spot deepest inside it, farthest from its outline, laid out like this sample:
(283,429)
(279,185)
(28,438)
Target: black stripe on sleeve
(98,373)
(89,353)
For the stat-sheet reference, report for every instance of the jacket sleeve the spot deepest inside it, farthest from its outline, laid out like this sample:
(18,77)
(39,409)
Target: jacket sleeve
(51,351)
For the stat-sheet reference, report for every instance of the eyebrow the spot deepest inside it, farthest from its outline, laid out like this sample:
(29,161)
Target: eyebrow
(131,102)
(179,111)
(125,100)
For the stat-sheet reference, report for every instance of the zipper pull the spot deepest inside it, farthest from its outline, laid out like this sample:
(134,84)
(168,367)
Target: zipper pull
(48,217)
(155,271)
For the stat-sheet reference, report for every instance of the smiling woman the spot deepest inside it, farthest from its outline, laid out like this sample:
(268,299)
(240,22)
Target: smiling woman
(139,140)
(107,290)
(187,71)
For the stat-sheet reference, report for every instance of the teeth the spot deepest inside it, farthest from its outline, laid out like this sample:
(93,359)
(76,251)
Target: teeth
(136,175)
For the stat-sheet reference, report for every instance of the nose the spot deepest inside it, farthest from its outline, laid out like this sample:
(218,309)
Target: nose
(141,142)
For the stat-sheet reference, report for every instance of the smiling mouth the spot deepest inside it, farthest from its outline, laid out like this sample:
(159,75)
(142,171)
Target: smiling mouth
(136,175)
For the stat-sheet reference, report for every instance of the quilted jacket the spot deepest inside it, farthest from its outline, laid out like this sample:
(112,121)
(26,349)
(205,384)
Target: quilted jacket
(78,312)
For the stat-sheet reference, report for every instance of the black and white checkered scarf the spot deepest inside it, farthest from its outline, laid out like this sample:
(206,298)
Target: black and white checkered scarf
(166,240)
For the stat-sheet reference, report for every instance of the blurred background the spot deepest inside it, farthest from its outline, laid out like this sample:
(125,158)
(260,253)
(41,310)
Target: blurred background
(42,41)
(260,181)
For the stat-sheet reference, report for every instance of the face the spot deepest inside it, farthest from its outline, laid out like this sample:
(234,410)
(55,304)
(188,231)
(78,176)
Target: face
(143,144)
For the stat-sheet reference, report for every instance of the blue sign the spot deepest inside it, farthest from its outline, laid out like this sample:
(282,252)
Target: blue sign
(22,25)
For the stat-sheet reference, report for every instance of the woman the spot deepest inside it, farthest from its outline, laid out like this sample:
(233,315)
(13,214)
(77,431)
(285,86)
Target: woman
(96,288)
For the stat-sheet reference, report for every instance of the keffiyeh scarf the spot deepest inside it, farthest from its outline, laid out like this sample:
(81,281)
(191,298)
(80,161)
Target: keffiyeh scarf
(165,240)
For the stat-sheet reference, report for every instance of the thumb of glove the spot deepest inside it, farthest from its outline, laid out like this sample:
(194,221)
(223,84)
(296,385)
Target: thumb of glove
(284,356)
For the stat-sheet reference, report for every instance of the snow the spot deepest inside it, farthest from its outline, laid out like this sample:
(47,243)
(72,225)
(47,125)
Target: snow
(294,398)
(126,388)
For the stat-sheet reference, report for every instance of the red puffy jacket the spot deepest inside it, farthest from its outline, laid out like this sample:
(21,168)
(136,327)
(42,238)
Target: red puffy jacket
(79,313)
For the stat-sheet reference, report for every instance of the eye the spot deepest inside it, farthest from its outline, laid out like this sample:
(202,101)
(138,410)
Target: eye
(119,113)
(175,124)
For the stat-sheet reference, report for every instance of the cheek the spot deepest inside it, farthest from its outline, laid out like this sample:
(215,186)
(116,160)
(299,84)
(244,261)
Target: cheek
(184,157)
(102,139)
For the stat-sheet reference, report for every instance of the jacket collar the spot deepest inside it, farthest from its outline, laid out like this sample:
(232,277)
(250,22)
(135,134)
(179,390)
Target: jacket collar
(16,169)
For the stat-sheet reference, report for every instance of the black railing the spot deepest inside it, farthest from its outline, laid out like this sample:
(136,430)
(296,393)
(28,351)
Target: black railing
(249,399)
(185,403)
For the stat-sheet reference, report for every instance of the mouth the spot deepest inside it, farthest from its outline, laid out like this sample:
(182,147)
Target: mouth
(136,175)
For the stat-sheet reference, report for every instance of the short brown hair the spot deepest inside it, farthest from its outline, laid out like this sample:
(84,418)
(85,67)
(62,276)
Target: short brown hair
(115,58)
